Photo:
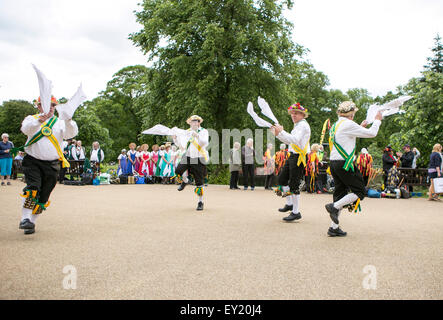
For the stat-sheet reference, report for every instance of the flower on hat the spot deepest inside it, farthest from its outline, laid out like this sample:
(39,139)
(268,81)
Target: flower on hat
(53,100)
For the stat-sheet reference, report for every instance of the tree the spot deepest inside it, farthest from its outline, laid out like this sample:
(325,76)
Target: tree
(117,106)
(435,63)
(212,57)
(90,129)
(12,114)
(421,126)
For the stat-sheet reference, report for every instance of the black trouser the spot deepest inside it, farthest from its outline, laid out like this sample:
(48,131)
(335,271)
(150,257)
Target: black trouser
(291,174)
(268,181)
(234,180)
(248,171)
(62,173)
(196,168)
(346,180)
(40,175)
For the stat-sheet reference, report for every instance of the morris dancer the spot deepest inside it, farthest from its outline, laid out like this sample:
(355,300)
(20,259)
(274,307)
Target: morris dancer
(342,139)
(42,161)
(195,159)
(293,170)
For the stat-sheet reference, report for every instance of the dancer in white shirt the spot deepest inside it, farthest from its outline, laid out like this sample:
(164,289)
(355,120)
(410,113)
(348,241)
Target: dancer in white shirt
(195,159)
(44,152)
(346,176)
(293,170)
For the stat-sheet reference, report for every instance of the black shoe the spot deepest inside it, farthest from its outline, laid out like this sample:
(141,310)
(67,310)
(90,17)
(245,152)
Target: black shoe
(293,216)
(29,231)
(245,188)
(333,212)
(181,186)
(200,206)
(286,208)
(26,225)
(336,232)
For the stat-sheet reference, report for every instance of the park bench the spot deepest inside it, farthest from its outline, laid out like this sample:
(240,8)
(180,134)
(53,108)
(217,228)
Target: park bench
(414,177)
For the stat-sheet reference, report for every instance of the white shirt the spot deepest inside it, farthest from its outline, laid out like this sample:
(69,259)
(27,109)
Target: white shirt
(94,155)
(300,135)
(44,149)
(78,153)
(202,139)
(347,134)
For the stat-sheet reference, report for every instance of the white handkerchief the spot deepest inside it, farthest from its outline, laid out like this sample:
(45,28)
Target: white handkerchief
(259,121)
(160,130)
(266,110)
(66,110)
(45,87)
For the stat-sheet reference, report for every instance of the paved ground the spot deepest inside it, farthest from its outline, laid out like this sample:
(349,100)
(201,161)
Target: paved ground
(148,242)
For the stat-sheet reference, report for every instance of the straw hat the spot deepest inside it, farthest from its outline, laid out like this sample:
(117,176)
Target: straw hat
(347,108)
(194,117)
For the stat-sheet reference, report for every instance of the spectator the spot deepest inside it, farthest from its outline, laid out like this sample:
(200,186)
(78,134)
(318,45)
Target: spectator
(132,155)
(5,159)
(167,169)
(434,170)
(122,163)
(158,171)
(364,164)
(17,165)
(388,162)
(78,152)
(269,167)
(416,156)
(154,162)
(248,156)
(280,158)
(144,160)
(234,166)
(97,155)
(71,146)
(19,156)
(406,158)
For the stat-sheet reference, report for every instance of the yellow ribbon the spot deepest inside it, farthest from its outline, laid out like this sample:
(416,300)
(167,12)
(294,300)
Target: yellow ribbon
(302,153)
(50,135)
(199,148)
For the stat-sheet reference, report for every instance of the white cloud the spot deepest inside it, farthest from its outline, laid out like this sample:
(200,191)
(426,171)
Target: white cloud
(376,44)
(70,41)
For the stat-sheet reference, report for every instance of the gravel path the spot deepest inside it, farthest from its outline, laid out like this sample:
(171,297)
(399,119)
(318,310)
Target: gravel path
(149,242)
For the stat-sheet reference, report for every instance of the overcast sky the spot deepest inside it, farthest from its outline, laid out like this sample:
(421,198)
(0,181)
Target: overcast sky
(375,44)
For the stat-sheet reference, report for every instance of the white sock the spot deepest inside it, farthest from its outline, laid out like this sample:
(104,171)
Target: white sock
(200,198)
(26,213)
(288,198)
(185,178)
(347,199)
(296,201)
(34,217)
(333,225)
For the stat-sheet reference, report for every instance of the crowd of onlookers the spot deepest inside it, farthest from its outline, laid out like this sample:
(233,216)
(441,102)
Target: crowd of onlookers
(159,163)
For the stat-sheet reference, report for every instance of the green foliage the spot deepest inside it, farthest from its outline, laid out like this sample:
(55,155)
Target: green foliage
(118,107)
(421,126)
(212,57)
(435,63)
(91,129)
(12,114)
(218,174)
